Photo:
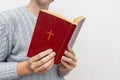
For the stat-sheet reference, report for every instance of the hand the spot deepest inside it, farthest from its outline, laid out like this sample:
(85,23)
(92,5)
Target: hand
(40,63)
(68,61)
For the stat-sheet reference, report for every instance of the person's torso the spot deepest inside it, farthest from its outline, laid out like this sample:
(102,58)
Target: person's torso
(21,27)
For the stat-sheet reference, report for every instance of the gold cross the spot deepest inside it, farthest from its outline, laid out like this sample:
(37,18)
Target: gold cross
(50,34)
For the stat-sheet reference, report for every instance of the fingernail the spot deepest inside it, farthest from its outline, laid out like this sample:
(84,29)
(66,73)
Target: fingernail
(63,57)
(54,53)
(65,51)
(50,50)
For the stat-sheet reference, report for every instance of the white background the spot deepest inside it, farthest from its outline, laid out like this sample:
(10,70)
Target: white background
(98,45)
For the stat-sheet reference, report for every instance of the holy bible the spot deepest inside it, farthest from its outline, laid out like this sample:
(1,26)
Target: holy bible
(53,31)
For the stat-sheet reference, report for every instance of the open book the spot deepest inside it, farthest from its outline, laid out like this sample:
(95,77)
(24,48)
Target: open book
(54,31)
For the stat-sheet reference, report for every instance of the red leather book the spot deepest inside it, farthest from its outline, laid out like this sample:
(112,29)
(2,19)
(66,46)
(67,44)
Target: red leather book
(55,32)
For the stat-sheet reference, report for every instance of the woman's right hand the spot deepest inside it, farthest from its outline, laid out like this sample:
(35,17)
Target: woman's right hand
(39,63)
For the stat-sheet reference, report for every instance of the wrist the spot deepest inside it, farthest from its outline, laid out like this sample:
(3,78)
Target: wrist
(23,68)
(63,71)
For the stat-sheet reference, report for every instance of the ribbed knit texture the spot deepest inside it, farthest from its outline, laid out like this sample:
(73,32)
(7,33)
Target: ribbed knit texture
(16,29)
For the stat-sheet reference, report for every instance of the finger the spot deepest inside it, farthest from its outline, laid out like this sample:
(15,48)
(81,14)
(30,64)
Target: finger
(69,55)
(69,61)
(71,51)
(42,61)
(47,69)
(45,66)
(66,66)
(40,55)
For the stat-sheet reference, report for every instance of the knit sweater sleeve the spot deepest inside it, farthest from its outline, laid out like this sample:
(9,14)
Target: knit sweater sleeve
(8,70)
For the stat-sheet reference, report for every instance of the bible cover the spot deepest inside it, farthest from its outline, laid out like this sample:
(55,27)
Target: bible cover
(51,31)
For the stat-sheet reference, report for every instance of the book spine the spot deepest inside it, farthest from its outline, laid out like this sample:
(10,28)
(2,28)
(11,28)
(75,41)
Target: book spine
(65,43)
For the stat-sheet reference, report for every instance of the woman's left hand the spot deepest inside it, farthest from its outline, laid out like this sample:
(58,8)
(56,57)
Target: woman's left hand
(68,61)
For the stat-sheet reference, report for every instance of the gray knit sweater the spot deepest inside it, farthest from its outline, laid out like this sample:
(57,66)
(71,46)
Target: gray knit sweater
(16,29)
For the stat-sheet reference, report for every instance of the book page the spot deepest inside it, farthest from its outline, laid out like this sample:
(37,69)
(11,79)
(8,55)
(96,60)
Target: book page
(76,32)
